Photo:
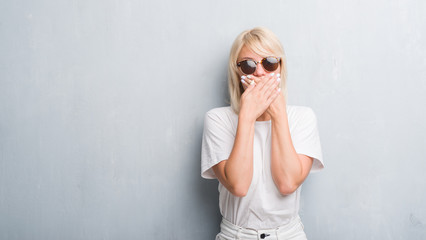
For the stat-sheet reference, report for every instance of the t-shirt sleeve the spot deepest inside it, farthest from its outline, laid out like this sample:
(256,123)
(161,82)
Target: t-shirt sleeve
(217,143)
(306,139)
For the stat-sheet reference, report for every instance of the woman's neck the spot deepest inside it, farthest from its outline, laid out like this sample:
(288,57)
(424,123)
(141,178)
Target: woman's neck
(264,117)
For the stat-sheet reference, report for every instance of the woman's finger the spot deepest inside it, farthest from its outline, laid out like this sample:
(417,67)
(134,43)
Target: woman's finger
(267,82)
(249,79)
(273,80)
(273,96)
(247,86)
(255,79)
(274,84)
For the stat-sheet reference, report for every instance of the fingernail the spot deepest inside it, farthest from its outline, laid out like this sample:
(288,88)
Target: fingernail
(278,75)
(279,89)
(252,82)
(278,79)
(249,76)
(272,74)
(242,80)
(243,77)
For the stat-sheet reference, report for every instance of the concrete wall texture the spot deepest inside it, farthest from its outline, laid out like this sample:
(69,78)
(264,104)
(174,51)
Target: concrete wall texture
(102,106)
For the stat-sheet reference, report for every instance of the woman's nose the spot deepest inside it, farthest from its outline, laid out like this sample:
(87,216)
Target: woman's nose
(259,70)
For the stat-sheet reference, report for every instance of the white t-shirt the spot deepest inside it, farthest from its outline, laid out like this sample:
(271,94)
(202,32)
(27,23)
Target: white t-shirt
(263,206)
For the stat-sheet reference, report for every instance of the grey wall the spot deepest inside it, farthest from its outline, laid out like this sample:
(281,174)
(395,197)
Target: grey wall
(102,106)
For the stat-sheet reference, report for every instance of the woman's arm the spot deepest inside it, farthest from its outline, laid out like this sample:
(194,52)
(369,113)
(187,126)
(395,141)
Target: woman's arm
(288,168)
(236,173)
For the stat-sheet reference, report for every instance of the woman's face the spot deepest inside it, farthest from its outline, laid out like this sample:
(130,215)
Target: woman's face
(260,72)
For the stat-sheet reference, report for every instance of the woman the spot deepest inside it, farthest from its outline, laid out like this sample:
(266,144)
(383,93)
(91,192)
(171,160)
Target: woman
(259,148)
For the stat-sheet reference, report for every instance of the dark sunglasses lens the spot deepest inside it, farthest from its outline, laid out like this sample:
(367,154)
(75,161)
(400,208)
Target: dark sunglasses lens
(248,66)
(270,64)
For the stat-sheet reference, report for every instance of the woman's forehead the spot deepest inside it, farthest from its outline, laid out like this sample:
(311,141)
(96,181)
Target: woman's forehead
(253,52)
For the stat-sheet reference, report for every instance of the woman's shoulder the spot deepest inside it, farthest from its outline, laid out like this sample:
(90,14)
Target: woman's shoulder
(224,115)
(297,113)
(221,112)
(297,109)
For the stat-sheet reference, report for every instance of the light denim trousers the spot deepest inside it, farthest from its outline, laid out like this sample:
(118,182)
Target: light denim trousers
(293,230)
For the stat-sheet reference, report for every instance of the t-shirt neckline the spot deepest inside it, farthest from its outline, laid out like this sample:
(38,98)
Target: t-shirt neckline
(263,122)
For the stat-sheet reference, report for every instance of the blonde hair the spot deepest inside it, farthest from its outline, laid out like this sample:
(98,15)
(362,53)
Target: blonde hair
(263,42)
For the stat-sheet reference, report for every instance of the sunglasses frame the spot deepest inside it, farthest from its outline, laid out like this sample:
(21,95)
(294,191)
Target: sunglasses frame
(256,62)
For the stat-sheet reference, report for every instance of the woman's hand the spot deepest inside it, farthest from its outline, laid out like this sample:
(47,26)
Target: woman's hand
(277,107)
(258,95)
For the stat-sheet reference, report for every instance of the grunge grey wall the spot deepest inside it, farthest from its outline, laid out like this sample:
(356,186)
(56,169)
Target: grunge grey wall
(102,106)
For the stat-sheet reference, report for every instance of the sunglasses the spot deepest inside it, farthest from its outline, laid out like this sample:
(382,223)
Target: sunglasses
(249,66)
